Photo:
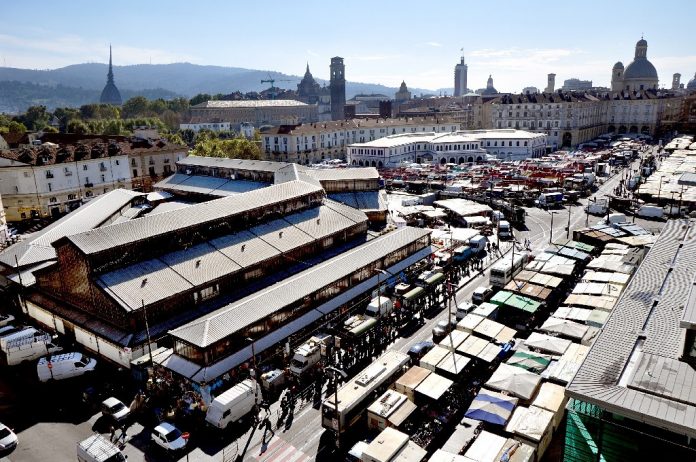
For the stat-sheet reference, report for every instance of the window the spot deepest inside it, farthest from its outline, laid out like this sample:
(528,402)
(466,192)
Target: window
(132,162)
(117,162)
(71,197)
(26,175)
(49,174)
(84,167)
(53,200)
(135,173)
(50,187)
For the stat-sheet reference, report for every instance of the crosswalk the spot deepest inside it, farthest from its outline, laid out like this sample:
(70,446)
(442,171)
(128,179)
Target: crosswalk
(279,450)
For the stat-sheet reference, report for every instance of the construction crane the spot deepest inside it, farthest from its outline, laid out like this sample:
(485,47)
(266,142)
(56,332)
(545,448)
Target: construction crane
(272,81)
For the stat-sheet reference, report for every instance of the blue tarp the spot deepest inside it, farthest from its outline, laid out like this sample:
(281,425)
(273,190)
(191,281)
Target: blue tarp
(492,407)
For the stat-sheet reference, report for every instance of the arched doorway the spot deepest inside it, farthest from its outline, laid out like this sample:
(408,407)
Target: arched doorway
(612,128)
(622,129)
(645,130)
(443,161)
(634,129)
(471,159)
(380,164)
(479,158)
(354,162)
(452,160)
(374,164)
(461,160)
(567,139)
(361,163)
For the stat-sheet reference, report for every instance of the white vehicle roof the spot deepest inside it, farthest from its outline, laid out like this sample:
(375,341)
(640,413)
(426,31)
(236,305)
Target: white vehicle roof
(245,386)
(111,402)
(165,428)
(74,356)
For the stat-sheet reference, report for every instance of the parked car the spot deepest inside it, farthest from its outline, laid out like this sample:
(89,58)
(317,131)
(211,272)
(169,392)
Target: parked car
(418,350)
(442,328)
(481,294)
(8,439)
(113,408)
(463,309)
(168,437)
(5,319)
(651,211)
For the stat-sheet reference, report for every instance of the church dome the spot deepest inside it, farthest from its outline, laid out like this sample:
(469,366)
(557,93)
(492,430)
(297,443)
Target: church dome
(641,68)
(490,89)
(691,86)
(618,65)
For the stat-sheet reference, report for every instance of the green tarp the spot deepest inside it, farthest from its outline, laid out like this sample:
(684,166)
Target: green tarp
(435,279)
(413,294)
(505,298)
(533,362)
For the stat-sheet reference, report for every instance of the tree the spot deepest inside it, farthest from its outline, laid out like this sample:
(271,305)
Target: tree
(175,138)
(35,118)
(200,98)
(78,127)
(179,105)
(16,127)
(49,129)
(188,135)
(237,148)
(135,107)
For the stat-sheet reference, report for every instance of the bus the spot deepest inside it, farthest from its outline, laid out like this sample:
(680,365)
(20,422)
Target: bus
(358,393)
(507,268)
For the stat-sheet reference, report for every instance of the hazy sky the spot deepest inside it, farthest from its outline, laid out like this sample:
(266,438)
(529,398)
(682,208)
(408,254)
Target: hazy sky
(381,41)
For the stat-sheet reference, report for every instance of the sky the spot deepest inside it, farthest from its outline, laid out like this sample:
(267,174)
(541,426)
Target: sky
(516,42)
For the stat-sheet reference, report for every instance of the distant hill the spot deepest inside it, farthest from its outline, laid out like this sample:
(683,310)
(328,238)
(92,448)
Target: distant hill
(183,79)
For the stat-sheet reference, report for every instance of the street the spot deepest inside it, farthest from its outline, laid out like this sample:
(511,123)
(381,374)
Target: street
(49,428)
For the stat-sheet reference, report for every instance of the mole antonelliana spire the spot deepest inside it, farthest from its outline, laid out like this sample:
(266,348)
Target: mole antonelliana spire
(110,94)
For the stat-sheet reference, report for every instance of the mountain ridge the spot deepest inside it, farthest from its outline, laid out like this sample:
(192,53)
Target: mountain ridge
(184,79)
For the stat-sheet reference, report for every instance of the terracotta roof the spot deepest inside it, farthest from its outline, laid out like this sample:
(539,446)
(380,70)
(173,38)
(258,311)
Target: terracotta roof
(86,148)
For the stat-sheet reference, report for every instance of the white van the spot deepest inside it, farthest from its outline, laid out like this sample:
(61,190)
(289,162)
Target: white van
(97,448)
(650,211)
(481,294)
(478,243)
(463,309)
(379,306)
(504,230)
(615,218)
(64,366)
(234,404)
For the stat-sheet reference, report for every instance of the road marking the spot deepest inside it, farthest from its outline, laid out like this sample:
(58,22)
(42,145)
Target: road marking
(279,450)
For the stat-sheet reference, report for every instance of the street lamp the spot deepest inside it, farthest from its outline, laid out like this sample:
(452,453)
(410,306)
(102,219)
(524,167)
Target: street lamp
(551,232)
(336,372)
(256,381)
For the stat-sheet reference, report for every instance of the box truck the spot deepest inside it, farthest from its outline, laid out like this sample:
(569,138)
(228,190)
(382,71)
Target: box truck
(234,404)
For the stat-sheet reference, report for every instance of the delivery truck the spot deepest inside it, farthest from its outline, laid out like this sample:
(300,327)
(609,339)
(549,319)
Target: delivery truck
(26,345)
(234,404)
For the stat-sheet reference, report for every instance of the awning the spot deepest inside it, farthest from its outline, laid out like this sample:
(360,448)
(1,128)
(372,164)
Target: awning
(435,279)
(434,386)
(414,293)
(533,362)
(564,327)
(514,380)
(547,343)
(492,407)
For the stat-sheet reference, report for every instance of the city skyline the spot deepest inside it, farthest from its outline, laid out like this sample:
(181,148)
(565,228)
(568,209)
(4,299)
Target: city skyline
(518,49)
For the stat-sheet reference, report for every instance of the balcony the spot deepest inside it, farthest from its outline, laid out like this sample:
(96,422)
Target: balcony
(49,175)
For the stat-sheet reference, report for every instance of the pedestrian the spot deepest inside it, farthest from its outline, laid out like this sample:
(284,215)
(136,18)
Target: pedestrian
(123,435)
(112,430)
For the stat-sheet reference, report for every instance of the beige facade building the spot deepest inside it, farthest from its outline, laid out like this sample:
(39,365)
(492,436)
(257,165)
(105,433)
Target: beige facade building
(259,113)
(50,179)
(313,143)
(570,119)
